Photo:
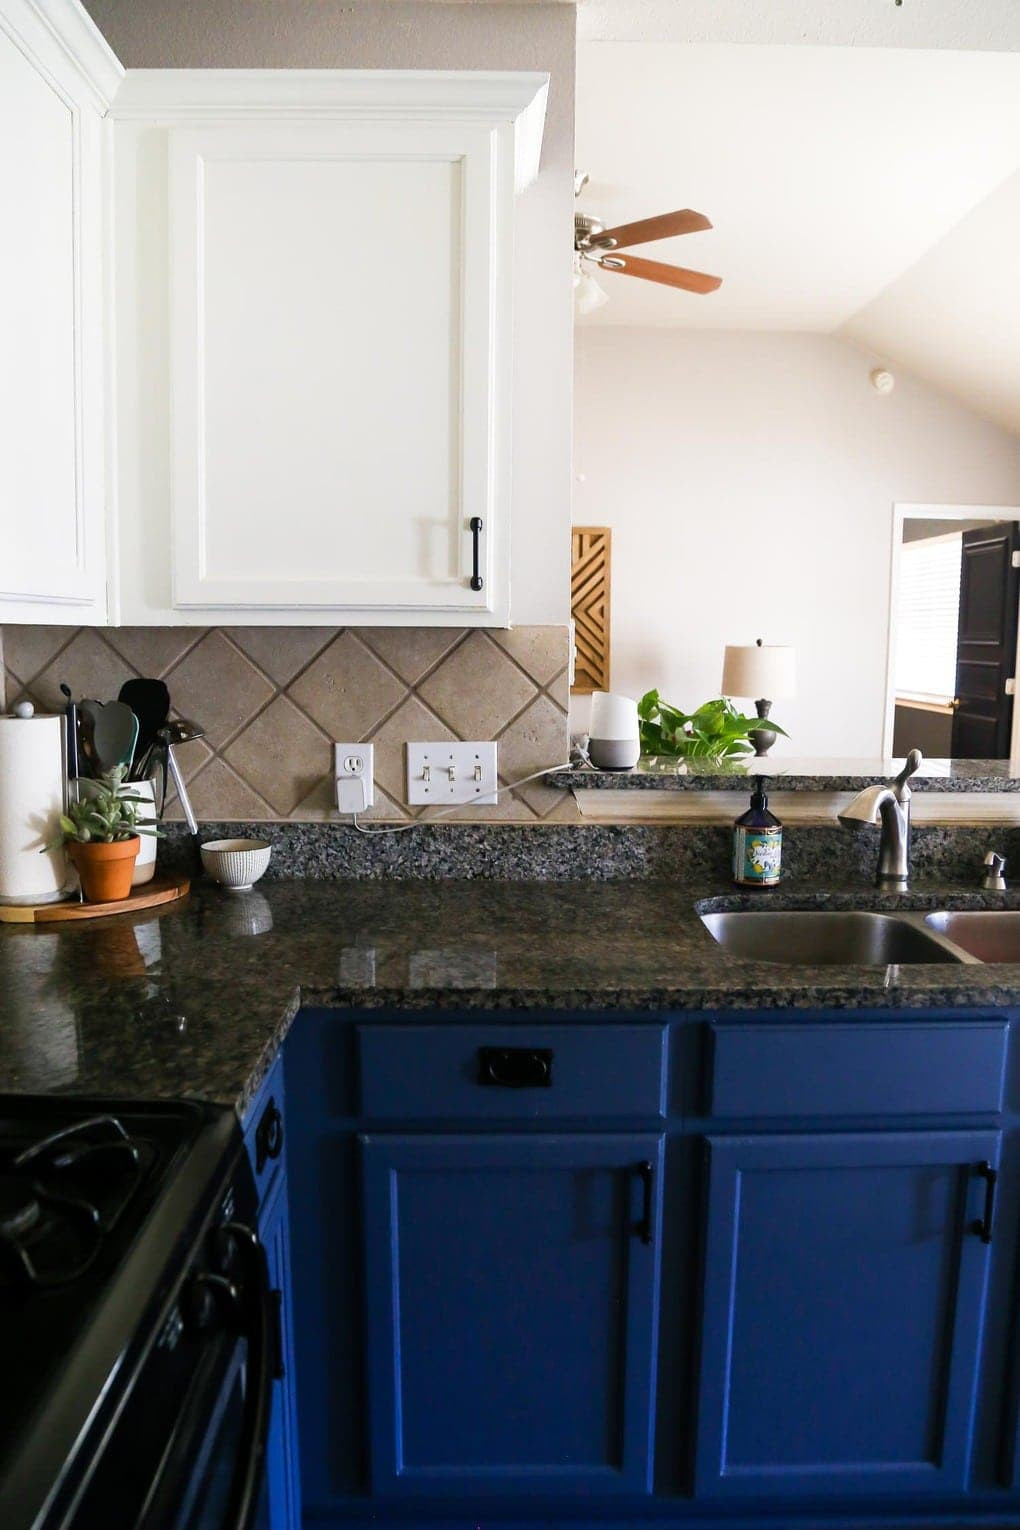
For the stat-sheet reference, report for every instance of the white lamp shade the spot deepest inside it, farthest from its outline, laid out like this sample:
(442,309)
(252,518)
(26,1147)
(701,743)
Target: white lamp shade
(613,717)
(761,672)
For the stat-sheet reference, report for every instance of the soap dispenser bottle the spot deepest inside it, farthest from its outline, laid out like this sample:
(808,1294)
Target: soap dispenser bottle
(757,842)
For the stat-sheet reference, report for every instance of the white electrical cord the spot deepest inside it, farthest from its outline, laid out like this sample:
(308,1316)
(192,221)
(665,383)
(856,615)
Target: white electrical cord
(401,828)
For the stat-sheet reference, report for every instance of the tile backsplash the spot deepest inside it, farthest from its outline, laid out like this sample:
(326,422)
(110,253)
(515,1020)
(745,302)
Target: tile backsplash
(272,699)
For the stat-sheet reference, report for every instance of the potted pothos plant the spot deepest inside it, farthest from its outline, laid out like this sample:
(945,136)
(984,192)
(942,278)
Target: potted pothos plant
(101,834)
(716,731)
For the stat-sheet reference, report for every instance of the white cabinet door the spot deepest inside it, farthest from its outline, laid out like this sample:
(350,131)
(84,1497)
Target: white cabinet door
(52,512)
(340,368)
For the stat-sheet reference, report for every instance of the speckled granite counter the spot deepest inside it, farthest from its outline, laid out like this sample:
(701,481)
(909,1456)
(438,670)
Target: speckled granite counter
(803,775)
(196,999)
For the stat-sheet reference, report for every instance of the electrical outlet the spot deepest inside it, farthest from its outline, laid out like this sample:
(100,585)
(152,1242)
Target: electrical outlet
(446,774)
(354,770)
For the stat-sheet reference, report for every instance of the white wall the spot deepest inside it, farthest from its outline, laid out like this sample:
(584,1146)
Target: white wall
(749,480)
(404,34)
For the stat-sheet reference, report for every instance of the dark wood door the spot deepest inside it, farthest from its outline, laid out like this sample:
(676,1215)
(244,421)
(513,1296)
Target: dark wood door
(986,643)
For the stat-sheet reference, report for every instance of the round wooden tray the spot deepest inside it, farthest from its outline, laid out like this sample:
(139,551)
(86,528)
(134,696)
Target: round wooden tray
(159,890)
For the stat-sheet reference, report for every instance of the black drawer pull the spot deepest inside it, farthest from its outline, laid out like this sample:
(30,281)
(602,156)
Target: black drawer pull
(268,1136)
(983,1225)
(515,1067)
(643,1229)
(476,531)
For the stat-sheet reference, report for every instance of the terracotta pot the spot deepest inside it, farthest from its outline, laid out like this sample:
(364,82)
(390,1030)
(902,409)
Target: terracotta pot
(105,870)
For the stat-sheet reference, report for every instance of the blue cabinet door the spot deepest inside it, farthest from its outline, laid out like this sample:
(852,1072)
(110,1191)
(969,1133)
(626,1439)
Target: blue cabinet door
(842,1312)
(511,1309)
(282,1466)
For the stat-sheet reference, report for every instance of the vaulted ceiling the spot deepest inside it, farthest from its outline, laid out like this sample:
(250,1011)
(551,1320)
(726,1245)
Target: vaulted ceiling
(868,192)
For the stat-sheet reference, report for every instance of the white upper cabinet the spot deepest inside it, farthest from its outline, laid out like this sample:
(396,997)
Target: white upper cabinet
(314,364)
(56,78)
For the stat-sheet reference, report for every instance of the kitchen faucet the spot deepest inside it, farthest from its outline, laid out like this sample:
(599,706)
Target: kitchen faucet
(891,805)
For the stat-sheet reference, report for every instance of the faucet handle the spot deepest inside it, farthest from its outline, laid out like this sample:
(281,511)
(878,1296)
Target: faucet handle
(911,765)
(995,866)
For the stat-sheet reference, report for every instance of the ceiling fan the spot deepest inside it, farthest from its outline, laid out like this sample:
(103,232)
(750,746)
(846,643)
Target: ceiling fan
(599,246)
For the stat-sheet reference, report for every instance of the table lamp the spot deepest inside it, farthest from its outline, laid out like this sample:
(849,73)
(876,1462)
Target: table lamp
(613,739)
(760,670)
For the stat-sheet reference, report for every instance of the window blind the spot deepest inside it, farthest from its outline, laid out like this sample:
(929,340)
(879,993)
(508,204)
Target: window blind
(927,616)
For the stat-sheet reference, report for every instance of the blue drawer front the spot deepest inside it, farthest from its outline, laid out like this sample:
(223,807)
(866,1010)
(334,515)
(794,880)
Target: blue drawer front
(890,1068)
(534,1072)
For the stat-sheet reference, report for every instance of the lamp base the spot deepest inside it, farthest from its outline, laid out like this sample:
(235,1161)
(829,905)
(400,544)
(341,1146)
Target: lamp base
(762,738)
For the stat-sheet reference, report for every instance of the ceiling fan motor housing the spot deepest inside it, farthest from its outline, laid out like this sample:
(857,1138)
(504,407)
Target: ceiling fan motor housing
(586,230)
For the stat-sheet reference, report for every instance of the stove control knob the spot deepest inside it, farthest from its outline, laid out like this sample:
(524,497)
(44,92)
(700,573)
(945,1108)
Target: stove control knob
(209,1301)
(226,1243)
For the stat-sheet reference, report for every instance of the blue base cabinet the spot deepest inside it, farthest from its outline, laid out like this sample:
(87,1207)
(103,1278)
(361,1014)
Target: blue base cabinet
(680,1271)
(844,1293)
(511,1312)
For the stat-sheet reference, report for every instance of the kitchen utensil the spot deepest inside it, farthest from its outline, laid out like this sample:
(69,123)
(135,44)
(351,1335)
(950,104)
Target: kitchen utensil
(114,735)
(149,700)
(72,732)
(236,863)
(87,713)
(182,731)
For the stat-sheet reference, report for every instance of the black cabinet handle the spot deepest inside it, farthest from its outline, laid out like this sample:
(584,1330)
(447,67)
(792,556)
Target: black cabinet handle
(268,1136)
(515,1067)
(983,1225)
(643,1228)
(476,531)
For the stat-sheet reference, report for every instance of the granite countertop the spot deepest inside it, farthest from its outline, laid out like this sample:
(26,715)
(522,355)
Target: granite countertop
(194,1000)
(792,774)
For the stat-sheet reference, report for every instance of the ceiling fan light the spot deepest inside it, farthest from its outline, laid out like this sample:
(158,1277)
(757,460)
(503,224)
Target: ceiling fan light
(588,295)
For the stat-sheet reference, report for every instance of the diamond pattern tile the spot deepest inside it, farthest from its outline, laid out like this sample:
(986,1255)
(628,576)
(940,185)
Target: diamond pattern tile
(410,650)
(281,754)
(542,651)
(151,651)
(27,650)
(346,690)
(271,699)
(477,689)
(217,687)
(281,651)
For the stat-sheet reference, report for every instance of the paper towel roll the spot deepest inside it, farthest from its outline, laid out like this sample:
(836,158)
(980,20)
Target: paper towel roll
(31,800)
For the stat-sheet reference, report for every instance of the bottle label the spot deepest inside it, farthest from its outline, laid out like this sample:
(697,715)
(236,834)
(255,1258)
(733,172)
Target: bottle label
(757,856)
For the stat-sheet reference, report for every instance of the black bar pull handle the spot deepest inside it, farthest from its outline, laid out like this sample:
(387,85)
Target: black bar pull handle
(643,1228)
(268,1136)
(476,531)
(515,1067)
(982,1226)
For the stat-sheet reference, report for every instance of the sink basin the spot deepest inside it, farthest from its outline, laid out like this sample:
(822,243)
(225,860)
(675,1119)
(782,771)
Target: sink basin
(992,935)
(829,938)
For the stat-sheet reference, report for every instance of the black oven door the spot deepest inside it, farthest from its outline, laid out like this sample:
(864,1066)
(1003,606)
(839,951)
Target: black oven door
(188,1451)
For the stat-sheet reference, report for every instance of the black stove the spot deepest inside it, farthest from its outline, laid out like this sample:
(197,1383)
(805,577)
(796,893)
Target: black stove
(117,1220)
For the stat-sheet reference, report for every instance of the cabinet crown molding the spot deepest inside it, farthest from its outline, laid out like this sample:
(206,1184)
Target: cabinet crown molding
(175,96)
(61,32)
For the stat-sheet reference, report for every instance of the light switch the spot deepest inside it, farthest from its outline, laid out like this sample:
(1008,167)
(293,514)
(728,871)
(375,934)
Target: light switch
(447,774)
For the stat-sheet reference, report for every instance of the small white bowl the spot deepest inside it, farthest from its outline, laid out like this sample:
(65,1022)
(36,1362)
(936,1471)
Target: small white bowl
(237,863)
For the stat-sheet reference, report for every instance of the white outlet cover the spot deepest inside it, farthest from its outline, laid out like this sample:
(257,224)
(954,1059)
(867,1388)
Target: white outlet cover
(446,774)
(354,770)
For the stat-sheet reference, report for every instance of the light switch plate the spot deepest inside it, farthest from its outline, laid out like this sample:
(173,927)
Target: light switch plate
(446,773)
(354,770)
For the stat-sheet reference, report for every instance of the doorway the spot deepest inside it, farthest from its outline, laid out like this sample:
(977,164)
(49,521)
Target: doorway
(954,621)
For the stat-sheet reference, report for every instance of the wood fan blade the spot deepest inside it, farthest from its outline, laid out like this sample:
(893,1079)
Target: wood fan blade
(662,227)
(658,271)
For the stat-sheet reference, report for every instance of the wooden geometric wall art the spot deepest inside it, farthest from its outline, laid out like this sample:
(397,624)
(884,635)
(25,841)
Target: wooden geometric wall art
(589,606)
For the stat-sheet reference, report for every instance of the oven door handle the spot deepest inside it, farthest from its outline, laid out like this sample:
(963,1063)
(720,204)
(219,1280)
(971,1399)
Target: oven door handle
(261,1331)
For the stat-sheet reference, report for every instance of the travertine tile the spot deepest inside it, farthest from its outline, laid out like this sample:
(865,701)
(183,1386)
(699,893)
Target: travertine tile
(477,689)
(219,793)
(410,650)
(281,651)
(411,721)
(346,690)
(88,665)
(217,687)
(281,755)
(542,651)
(559,690)
(151,651)
(27,650)
(536,739)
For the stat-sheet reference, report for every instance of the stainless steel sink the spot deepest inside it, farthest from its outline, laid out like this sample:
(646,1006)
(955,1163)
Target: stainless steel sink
(990,935)
(828,938)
